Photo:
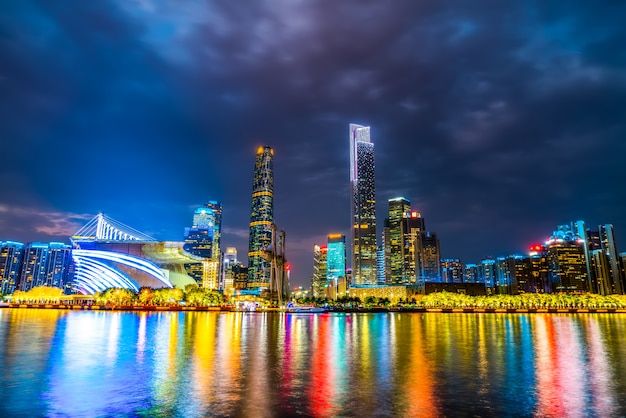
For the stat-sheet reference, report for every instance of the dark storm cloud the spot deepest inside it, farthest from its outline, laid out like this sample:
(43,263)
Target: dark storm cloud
(498,120)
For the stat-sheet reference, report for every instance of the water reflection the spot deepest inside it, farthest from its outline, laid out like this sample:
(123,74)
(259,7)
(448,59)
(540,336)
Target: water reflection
(58,363)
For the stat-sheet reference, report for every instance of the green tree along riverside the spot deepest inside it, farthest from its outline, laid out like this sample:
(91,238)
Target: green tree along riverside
(524,301)
(193,295)
(39,294)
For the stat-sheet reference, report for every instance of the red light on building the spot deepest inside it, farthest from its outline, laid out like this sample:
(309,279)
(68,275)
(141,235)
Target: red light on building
(536,247)
(414,214)
(287,267)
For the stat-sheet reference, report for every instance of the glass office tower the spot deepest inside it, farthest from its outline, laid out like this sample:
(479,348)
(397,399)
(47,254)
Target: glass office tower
(363,188)
(261,218)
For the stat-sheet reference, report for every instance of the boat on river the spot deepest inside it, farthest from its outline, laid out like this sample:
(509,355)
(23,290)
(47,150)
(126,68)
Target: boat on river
(292,308)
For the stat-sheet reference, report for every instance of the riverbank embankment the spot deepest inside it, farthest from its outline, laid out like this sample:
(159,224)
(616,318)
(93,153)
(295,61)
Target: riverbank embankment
(150,308)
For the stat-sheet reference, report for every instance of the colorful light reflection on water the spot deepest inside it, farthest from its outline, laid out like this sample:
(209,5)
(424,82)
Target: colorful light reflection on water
(82,363)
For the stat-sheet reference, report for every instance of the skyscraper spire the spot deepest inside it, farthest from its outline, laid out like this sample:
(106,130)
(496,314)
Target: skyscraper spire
(363,189)
(261,218)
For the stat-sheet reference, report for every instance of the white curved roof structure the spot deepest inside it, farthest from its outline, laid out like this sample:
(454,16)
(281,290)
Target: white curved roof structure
(96,271)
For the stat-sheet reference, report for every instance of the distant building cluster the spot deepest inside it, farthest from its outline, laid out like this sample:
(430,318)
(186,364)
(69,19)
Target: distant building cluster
(24,266)
(574,259)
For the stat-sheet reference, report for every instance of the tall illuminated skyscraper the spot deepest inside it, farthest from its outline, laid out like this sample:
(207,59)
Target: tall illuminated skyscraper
(399,209)
(216,207)
(402,229)
(261,218)
(363,206)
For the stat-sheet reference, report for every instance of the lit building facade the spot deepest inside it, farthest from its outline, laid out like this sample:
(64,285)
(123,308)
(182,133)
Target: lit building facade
(412,226)
(381,266)
(383,256)
(203,240)
(607,242)
(402,230)
(601,272)
(230,258)
(589,241)
(470,273)
(320,267)
(106,253)
(451,270)
(539,269)
(487,272)
(521,278)
(216,208)
(427,264)
(399,209)
(10,265)
(44,265)
(363,208)
(567,261)
(622,262)
(336,256)
(261,219)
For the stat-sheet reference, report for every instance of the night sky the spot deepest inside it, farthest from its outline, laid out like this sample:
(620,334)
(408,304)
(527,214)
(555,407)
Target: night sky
(498,120)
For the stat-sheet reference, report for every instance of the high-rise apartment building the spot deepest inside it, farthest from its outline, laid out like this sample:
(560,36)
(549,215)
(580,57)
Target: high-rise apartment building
(261,219)
(44,265)
(363,188)
(10,264)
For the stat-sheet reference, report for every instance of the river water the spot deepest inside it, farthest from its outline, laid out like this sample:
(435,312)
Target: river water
(187,364)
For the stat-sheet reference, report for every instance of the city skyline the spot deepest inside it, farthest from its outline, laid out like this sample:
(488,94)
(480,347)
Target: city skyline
(495,132)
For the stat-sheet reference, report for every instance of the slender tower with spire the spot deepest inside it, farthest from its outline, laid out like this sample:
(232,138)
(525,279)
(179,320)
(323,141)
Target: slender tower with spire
(261,219)
(363,189)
